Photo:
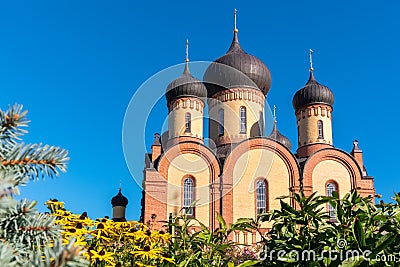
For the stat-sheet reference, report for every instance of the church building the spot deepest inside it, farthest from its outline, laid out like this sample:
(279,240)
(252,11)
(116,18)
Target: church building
(241,171)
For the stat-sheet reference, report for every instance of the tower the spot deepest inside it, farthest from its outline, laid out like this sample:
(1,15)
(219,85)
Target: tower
(313,108)
(185,100)
(119,203)
(237,85)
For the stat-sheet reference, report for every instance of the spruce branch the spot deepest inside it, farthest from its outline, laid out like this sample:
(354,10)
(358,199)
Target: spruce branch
(12,124)
(23,225)
(35,160)
(7,255)
(27,237)
(60,256)
(8,184)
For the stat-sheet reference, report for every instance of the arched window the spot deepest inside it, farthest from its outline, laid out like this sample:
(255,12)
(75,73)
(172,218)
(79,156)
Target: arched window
(188,195)
(261,196)
(330,188)
(320,130)
(221,122)
(243,119)
(188,123)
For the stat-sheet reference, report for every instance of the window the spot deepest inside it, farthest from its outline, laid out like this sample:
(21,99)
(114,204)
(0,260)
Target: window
(320,130)
(188,195)
(188,123)
(261,196)
(330,188)
(243,120)
(221,122)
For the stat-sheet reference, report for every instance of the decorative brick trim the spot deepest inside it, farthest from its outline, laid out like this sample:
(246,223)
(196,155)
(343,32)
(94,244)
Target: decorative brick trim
(314,110)
(181,139)
(307,150)
(230,139)
(186,102)
(249,94)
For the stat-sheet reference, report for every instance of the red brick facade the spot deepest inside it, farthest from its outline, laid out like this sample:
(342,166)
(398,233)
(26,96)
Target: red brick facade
(155,182)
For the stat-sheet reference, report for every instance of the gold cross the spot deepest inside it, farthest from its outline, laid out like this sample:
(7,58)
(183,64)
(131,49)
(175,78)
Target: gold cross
(187,51)
(234,19)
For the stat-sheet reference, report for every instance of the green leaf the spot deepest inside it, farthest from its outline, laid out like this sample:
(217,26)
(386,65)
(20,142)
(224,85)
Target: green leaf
(358,232)
(249,263)
(221,221)
(383,242)
(287,207)
(339,212)
(352,262)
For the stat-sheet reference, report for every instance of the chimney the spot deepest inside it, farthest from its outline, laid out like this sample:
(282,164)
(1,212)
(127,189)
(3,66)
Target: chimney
(357,154)
(156,148)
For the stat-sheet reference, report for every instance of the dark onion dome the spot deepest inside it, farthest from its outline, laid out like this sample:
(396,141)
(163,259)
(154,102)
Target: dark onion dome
(312,93)
(277,136)
(244,70)
(119,200)
(184,86)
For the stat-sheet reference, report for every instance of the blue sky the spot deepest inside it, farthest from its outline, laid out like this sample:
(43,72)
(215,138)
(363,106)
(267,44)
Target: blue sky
(76,64)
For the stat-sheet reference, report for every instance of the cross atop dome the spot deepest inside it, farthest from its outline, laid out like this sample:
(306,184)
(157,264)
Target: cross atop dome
(234,21)
(186,70)
(277,135)
(243,70)
(187,51)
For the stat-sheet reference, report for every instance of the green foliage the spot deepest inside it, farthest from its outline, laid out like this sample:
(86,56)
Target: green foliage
(28,238)
(194,244)
(362,234)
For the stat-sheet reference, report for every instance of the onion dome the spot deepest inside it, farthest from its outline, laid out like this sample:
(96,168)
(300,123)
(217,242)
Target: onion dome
(280,138)
(119,200)
(186,85)
(243,70)
(277,136)
(313,92)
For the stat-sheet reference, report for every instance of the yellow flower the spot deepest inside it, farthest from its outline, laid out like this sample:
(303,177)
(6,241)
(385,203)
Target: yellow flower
(54,205)
(147,252)
(103,256)
(107,242)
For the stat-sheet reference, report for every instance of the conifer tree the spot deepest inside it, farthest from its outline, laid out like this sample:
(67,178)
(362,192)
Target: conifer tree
(28,237)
